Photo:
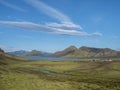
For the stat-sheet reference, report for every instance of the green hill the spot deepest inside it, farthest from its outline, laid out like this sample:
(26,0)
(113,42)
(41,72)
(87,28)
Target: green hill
(87,52)
(65,52)
(6,59)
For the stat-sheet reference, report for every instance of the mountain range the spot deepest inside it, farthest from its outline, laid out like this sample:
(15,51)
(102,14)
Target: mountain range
(87,52)
(30,53)
(72,52)
(18,53)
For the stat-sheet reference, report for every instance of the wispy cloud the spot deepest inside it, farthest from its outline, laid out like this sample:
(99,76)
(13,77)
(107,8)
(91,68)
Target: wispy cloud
(26,25)
(3,2)
(46,28)
(50,11)
(54,13)
(65,27)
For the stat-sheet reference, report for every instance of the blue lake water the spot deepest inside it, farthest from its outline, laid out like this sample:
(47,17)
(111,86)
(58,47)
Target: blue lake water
(53,58)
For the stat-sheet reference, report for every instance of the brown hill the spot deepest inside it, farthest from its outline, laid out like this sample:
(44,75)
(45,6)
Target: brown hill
(1,51)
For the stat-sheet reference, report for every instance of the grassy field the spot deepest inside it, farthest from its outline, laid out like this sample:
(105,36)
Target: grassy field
(18,74)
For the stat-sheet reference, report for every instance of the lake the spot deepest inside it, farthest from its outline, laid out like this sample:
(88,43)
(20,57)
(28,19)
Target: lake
(55,58)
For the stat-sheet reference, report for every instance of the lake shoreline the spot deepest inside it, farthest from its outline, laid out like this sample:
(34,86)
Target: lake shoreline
(58,58)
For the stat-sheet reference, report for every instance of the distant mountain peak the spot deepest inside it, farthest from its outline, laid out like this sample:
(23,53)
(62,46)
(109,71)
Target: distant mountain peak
(72,48)
(84,47)
(66,51)
(18,53)
(36,51)
(30,53)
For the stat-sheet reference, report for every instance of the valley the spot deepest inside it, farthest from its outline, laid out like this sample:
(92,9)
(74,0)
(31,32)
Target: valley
(59,45)
(19,74)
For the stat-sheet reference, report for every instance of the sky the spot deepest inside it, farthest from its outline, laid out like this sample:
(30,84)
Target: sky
(53,25)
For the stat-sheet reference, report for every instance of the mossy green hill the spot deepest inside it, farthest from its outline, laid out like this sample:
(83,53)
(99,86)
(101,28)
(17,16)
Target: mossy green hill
(87,52)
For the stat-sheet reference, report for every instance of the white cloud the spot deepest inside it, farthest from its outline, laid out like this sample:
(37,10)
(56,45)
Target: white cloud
(67,25)
(46,28)
(54,13)
(3,2)
(26,25)
(50,11)
(97,34)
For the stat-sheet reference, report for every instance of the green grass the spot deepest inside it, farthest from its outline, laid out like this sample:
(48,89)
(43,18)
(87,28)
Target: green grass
(18,74)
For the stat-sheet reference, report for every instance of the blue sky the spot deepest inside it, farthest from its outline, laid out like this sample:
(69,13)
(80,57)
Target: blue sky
(52,25)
